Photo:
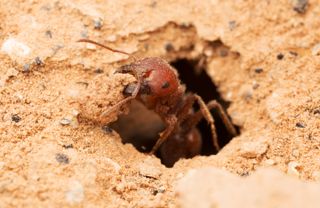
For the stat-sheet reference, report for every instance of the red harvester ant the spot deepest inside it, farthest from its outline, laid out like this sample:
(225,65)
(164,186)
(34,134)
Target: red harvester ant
(159,89)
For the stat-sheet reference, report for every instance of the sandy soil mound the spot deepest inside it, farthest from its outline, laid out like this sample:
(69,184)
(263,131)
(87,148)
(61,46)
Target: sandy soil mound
(263,56)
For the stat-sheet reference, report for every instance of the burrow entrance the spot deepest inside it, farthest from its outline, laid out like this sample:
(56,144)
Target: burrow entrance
(141,127)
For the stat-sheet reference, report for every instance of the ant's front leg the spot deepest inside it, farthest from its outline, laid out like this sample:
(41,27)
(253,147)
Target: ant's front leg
(171,122)
(131,90)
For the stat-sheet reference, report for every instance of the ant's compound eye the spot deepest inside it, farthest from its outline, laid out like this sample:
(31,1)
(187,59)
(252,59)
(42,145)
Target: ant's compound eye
(165,85)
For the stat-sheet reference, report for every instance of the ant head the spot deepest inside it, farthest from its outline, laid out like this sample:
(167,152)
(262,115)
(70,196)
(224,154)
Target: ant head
(158,78)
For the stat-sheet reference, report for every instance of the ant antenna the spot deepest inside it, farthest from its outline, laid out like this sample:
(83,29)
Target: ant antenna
(106,47)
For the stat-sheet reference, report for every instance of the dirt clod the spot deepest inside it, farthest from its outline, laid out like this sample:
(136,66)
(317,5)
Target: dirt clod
(148,169)
(253,149)
(62,158)
(265,186)
(16,118)
(300,6)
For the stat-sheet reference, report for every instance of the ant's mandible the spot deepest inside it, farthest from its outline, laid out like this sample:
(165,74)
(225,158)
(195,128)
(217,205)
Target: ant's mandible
(159,89)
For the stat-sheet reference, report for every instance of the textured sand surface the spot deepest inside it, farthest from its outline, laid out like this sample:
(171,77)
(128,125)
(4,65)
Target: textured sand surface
(267,65)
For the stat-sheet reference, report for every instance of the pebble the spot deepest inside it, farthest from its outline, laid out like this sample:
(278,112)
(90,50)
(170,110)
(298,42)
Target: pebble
(300,6)
(75,194)
(38,61)
(12,72)
(246,92)
(270,162)
(232,25)
(16,118)
(98,24)
(62,158)
(148,169)
(275,103)
(14,47)
(65,121)
(26,68)
(253,149)
(293,168)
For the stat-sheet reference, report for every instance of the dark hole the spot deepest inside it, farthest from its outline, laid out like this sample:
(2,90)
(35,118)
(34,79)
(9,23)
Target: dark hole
(197,81)
(140,127)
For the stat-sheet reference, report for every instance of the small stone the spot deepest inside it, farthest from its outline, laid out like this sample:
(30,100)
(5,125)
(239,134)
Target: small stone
(158,190)
(98,24)
(253,149)
(26,68)
(148,169)
(300,125)
(316,111)
(270,162)
(169,47)
(232,25)
(293,53)
(246,91)
(75,112)
(14,47)
(12,72)
(38,61)
(107,129)
(280,56)
(300,6)
(316,50)
(258,70)
(48,34)
(67,146)
(98,71)
(62,158)
(16,118)
(65,121)
(293,168)
(75,194)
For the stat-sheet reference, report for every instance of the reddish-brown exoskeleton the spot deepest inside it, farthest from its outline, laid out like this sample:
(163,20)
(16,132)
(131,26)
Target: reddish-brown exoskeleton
(159,89)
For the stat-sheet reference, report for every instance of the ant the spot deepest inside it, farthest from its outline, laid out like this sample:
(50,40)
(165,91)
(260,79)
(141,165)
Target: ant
(159,89)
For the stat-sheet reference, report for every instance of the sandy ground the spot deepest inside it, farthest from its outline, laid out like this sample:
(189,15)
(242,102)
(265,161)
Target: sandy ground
(50,157)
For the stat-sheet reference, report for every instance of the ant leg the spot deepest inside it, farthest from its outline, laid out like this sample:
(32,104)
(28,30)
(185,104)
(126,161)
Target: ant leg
(205,112)
(171,122)
(185,109)
(126,69)
(207,115)
(213,104)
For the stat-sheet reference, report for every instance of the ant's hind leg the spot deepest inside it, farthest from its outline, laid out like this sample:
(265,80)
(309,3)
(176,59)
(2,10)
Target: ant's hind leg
(225,119)
(205,112)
